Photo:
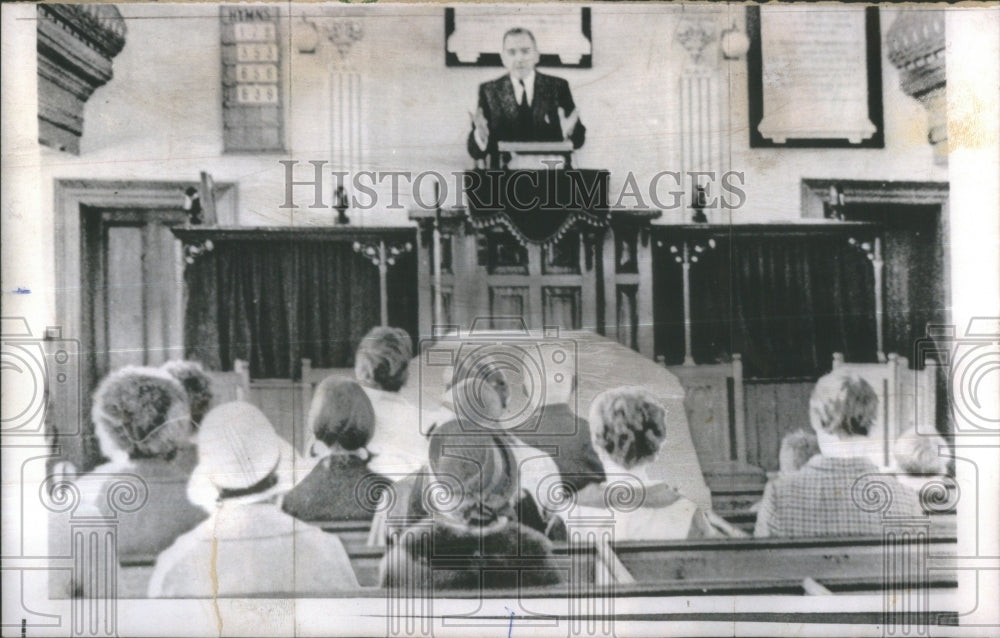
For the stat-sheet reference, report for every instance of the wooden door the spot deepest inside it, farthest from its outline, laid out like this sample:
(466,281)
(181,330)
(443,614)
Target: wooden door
(134,274)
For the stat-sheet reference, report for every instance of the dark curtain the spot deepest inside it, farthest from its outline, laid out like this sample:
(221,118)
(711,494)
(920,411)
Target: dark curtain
(786,303)
(273,303)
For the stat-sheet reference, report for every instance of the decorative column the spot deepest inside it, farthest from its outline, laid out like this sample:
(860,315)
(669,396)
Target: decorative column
(86,542)
(702,126)
(76,44)
(917,49)
(336,37)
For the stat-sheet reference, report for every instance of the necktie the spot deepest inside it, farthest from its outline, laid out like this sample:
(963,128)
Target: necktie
(525,124)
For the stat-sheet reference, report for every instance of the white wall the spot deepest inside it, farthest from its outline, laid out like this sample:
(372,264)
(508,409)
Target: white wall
(161,116)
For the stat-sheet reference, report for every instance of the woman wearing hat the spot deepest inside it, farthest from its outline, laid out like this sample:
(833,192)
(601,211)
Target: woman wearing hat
(247,545)
(337,489)
(471,538)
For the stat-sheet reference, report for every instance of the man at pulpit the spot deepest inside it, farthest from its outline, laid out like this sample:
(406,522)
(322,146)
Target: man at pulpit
(523,105)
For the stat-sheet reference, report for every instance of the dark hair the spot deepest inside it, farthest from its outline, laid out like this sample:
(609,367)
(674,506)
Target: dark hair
(519,31)
(341,414)
(628,424)
(197,385)
(383,357)
(476,466)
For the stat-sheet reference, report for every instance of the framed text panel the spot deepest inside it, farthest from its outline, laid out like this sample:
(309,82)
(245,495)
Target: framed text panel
(252,89)
(814,78)
(474,33)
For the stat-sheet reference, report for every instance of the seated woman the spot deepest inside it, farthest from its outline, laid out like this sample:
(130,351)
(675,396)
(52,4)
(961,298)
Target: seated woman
(248,545)
(628,430)
(474,409)
(381,367)
(196,383)
(920,459)
(342,420)
(471,538)
(142,421)
(831,494)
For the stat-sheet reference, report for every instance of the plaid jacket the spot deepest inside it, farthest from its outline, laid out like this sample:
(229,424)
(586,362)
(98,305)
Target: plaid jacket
(833,497)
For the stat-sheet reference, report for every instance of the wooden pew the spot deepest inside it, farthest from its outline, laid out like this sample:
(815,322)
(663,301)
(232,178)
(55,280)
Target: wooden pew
(134,575)
(353,534)
(854,563)
(718,567)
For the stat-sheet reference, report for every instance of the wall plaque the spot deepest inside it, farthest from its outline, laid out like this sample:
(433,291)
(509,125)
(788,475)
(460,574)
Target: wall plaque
(815,77)
(252,104)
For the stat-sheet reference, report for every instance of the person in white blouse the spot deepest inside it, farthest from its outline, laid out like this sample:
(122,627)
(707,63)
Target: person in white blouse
(381,366)
(628,431)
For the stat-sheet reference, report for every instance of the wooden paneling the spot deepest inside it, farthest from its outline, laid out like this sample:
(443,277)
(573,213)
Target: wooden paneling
(774,408)
(561,307)
(125,311)
(280,401)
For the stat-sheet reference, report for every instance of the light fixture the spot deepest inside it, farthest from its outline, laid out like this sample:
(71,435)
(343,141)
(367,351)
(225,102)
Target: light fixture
(306,37)
(734,42)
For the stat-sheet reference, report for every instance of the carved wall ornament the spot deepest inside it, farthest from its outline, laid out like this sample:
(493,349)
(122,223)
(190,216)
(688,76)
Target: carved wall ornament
(697,36)
(76,44)
(916,42)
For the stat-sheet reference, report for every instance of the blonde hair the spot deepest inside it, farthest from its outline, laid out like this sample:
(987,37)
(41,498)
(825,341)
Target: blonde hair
(383,357)
(141,413)
(197,385)
(629,424)
(843,404)
(796,449)
(919,454)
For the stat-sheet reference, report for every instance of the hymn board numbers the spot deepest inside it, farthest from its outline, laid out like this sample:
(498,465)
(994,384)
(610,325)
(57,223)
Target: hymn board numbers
(251,79)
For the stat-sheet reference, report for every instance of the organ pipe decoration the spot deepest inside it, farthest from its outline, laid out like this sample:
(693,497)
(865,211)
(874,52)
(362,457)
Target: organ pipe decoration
(382,255)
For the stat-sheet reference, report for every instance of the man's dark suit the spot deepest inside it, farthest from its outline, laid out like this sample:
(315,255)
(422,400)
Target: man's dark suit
(499,105)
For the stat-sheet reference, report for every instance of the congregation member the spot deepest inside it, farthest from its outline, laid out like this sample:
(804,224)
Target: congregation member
(476,409)
(381,366)
(827,497)
(471,538)
(919,459)
(342,421)
(554,428)
(797,447)
(248,545)
(196,383)
(141,418)
(628,428)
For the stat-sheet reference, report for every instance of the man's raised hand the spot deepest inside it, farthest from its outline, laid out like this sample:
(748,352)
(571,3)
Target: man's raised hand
(568,124)
(481,125)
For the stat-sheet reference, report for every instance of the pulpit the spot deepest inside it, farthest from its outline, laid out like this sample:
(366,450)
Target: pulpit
(539,245)
(535,155)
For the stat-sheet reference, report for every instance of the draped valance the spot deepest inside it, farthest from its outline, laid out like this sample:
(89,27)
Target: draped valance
(538,207)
